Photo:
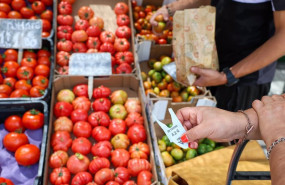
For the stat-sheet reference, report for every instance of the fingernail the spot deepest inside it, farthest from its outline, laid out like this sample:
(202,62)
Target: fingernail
(193,145)
(184,138)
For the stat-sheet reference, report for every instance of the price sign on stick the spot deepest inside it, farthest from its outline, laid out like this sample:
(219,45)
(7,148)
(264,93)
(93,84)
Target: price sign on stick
(171,69)
(90,64)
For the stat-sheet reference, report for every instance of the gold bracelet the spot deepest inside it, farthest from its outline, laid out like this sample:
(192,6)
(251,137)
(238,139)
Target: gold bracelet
(248,127)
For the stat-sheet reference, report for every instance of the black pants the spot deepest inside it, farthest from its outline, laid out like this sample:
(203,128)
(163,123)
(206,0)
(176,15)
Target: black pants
(239,97)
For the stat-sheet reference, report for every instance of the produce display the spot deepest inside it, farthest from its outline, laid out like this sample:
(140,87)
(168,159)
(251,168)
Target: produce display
(89,36)
(102,141)
(158,82)
(31,9)
(172,154)
(160,34)
(29,78)
(21,136)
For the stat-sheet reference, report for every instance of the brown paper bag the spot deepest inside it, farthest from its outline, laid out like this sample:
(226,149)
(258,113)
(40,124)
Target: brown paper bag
(194,41)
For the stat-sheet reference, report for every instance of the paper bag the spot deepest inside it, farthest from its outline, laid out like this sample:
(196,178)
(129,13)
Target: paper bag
(194,41)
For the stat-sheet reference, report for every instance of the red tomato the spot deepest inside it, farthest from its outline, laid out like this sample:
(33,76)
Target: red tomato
(10,68)
(29,62)
(10,55)
(162,41)
(102,149)
(25,73)
(129,183)
(101,92)
(5,89)
(62,109)
(64,45)
(14,123)
(37,91)
(82,178)
(65,20)
(40,81)
(85,13)
(4,7)
(27,155)
(135,166)
(44,61)
(123,32)
(107,47)
(112,183)
(58,159)
(47,2)
(78,163)
(3,15)
(12,141)
(137,133)
(121,8)
(79,47)
(47,14)
(81,145)
(133,105)
(121,44)
(33,119)
(6,181)
(27,12)
(62,58)
(45,34)
(97,21)
(82,129)
(120,157)
(144,178)
(10,82)
(81,24)
(134,118)
(93,43)
(124,68)
(23,84)
(42,70)
(38,7)
(63,70)
(81,102)
(29,54)
(61,140)
(121,175)
(123,20)
(99,118)
(18,4)
(19,93)
(64,32)
(60,176)
(103,176)
(92,50)
(117,126)
(107,36)
(63,124)
(93,31)
(43,53)
(139,151)
(46,25)
(101,104)
(101,133)
(14,15)
(80,90)
(124,57)
(79,115)
(64,8)
(98,163)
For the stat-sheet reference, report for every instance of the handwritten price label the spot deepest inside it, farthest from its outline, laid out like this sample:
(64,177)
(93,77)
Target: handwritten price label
(20,33)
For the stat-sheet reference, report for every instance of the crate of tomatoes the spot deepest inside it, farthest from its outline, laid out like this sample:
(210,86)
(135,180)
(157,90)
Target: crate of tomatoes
(91,27)
(23,135)
(31,78)
(100,141)
(31,9)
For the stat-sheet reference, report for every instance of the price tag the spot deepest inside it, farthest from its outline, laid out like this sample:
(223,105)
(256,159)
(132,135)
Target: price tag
(171,69)
(159,109)
(206,102)
(175,132)
(143,50)
(20,33)
(90,64)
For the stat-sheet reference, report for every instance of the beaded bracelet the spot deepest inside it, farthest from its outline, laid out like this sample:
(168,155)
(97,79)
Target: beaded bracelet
(277,141)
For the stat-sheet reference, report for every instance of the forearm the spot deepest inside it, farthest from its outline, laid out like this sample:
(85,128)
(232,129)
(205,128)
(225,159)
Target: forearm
(186,4)
(277,164)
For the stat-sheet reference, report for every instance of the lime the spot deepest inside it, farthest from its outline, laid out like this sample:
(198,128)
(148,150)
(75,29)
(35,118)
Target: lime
(166,140)
(157,66)
(202,148)
(161,145)
(177,153)
(191,153)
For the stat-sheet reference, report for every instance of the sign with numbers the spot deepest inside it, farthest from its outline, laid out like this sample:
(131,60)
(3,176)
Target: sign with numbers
(90,64)
(20,33)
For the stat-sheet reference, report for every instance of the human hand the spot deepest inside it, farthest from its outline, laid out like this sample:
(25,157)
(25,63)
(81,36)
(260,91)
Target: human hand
(213,123)
(208,77)
(271,116)
(163,11)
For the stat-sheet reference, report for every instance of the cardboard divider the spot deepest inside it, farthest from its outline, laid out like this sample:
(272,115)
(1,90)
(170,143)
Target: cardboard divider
(128,83)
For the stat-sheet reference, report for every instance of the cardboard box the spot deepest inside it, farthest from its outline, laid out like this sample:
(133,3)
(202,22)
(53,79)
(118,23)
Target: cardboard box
(128,83)
(103,9)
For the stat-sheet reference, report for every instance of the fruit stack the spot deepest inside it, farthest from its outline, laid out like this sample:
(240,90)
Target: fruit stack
(89,36)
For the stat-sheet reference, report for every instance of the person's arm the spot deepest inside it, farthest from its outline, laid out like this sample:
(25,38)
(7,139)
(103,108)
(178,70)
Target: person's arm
(177,5)
(271,116)
(267,53)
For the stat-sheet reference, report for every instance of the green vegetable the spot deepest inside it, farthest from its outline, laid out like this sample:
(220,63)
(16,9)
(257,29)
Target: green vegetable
(202,148)
(166,140)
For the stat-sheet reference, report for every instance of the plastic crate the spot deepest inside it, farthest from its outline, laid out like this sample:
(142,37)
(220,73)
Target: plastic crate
(19,108)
